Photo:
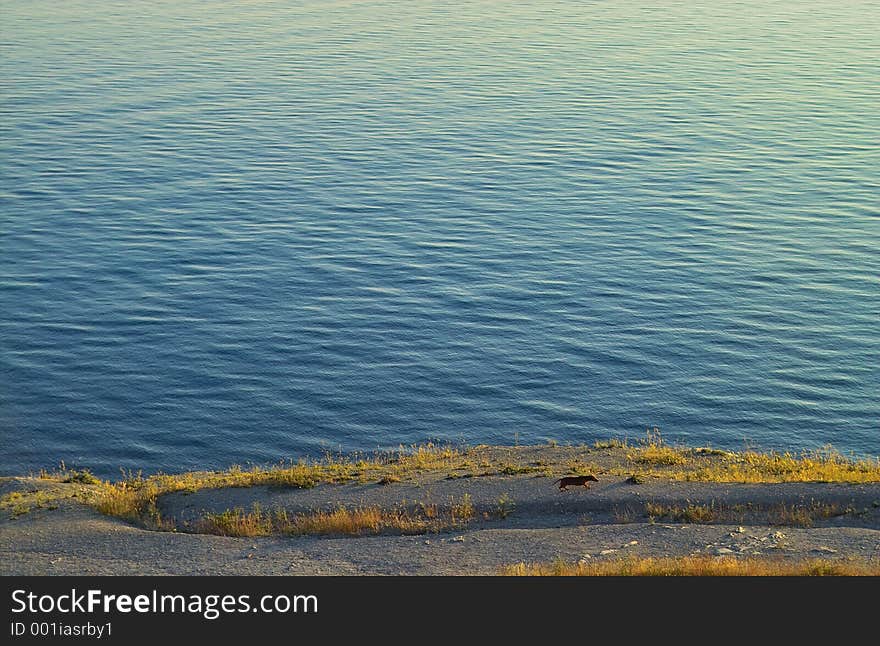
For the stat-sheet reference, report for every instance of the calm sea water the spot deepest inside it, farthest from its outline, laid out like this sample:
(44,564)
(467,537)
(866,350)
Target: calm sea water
(249,231)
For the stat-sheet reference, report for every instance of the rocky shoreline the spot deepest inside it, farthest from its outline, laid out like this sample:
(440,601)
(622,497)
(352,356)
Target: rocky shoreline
(519,515)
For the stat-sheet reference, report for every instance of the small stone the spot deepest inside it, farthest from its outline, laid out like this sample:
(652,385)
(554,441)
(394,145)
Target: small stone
(740,530)
(825,550)
(778,535)
(722,551)
(631,543)
(458,539)
(427,542)
(607,552)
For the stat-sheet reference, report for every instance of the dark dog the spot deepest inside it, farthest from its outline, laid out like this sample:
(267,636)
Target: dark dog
(576,481)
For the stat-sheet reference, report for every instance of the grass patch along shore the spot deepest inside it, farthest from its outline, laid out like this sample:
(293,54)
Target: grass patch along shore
(652,456)
(135,497)
(339,521)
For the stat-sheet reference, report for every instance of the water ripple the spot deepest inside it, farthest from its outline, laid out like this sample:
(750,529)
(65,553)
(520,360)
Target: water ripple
(246,231)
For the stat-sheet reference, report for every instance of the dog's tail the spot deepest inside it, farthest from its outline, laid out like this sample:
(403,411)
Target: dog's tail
(555,481)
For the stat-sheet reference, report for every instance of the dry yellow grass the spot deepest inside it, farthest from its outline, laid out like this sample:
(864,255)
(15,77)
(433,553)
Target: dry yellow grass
(697,566)
(658,455)
(134,496)
(825,465)
(690,513)
(652,450)
(712,465)
(790,515)
(236,522)
(462,511)
(339,521)
(366,520)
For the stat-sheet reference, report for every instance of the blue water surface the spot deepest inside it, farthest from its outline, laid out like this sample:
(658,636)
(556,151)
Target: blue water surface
(239,232)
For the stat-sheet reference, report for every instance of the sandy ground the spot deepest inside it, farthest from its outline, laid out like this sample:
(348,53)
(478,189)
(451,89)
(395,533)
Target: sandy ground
(541,524)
